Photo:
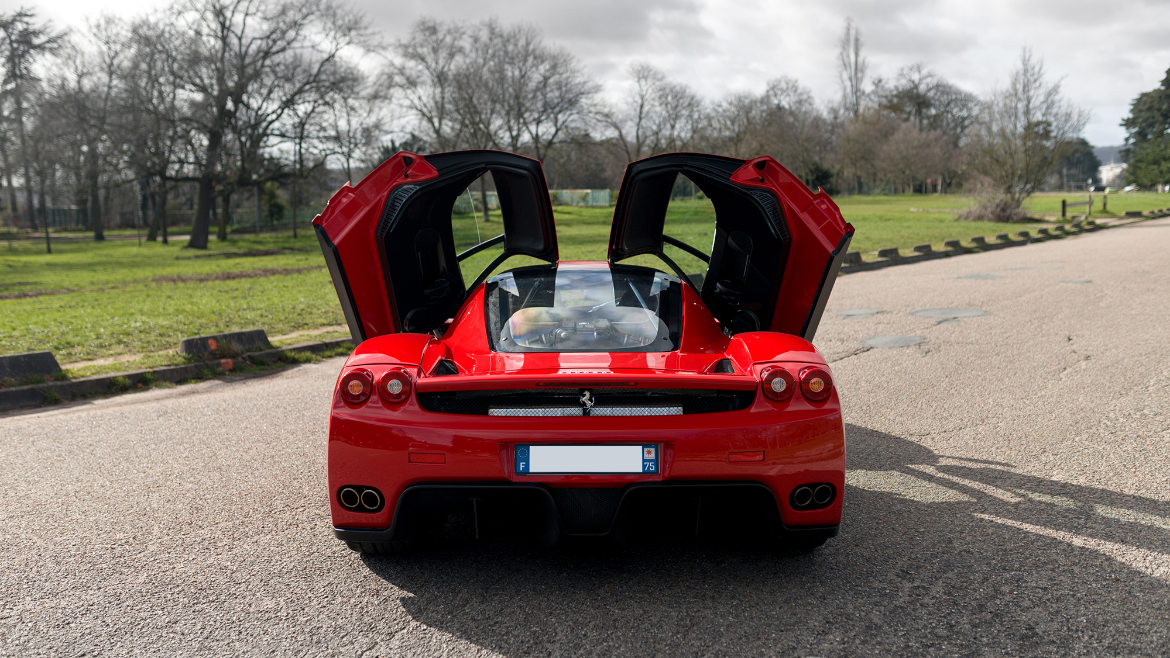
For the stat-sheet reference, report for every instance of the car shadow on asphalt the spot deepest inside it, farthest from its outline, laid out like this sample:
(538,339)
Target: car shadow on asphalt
(936,555)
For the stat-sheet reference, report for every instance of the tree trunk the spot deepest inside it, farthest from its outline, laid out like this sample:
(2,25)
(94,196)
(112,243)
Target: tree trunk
(18,106)
(294,206)
(95,209)
(256,198)
(206,201)
(152,232)
(44,210)
(483,199)
(106,203)
(163,189)
(8,180)
(143,205)
(223,216)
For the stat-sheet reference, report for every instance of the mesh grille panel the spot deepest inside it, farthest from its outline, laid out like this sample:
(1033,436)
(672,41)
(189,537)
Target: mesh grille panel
(536,411)
(636,411)
(608,402)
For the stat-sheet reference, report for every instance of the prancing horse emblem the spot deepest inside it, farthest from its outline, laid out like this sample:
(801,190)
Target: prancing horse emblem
(587,400)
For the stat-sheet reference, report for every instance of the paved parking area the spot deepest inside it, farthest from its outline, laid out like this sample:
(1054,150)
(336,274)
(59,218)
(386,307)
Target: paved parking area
(1009,494)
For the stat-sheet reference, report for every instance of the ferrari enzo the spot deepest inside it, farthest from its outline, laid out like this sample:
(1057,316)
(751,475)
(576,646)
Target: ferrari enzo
(583,398)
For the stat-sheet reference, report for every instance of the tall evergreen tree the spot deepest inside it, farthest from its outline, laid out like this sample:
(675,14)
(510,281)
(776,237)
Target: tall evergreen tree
(1148,137)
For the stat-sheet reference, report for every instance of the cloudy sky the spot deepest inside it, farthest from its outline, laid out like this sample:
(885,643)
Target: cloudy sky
(1104,52)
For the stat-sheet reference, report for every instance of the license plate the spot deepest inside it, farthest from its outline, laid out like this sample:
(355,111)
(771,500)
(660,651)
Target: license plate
(583,460)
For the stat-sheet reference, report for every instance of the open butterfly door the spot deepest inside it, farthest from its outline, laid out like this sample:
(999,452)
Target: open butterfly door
(389,244)
(777,246)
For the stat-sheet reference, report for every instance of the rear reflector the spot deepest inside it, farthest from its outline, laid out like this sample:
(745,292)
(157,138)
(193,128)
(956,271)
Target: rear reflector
(427,458)
(755,456)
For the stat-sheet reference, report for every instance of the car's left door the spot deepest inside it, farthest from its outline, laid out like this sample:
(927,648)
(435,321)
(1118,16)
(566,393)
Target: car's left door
(389,245)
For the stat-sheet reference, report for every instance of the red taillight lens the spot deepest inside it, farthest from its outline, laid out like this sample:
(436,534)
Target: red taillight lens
(356,386)
(815,383)
(778,383)
(394,386)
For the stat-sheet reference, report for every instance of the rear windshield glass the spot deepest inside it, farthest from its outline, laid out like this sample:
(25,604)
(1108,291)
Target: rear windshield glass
(548,309)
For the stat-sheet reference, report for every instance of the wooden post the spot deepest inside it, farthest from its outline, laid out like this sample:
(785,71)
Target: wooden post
(1089,207)
(1063,208)
(1105,202)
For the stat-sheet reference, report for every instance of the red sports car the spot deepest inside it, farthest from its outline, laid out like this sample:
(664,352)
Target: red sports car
(584,398)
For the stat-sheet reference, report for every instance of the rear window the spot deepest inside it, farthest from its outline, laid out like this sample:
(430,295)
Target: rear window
(550,309)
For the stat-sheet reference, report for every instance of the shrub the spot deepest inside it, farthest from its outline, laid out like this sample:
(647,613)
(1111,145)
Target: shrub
(993,209)
(149,378)
(119,384)
(50,396)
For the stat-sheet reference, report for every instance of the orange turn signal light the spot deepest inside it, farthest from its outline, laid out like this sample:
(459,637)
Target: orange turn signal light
(815,383)
(356,386)
(753,456)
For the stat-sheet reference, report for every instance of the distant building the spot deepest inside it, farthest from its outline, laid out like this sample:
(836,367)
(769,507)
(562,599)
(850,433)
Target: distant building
(1112,174)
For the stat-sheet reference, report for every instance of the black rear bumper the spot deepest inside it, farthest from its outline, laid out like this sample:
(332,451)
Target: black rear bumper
(689,508)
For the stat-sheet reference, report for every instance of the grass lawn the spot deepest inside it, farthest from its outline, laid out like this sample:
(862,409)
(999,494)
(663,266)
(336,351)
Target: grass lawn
(91,300)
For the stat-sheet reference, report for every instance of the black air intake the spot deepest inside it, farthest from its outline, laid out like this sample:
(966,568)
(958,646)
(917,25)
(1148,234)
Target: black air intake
(692,401)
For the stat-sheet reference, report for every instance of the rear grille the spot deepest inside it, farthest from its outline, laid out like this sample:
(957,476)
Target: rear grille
(567,402)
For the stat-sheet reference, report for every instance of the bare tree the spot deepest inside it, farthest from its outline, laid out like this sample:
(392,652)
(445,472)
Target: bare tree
(851,68)
(657,115)
(425,72)
(227,51)
(797,132)
(151,118)
(858,142)
(1023,132)
(931,103)
(911,156)
(357,119)
(24,44)
(559,98)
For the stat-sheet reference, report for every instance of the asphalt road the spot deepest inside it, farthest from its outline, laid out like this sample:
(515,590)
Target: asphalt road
(1009,494)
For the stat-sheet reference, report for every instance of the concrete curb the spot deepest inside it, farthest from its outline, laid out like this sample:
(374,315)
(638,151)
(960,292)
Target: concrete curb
(50,392)
(891,257)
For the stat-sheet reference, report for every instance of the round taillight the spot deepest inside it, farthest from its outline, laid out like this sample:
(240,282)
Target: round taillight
(356,386)
(815,383)
(394,386)
(778,383)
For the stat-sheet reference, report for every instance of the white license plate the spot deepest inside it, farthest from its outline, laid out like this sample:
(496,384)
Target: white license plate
(568,460)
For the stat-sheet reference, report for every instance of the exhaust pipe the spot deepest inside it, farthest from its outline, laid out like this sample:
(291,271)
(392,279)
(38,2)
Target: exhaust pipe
(371,500)
(349,497)
(822,494)
(802,496)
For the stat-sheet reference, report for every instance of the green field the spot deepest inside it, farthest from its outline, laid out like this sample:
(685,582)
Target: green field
(90,300)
